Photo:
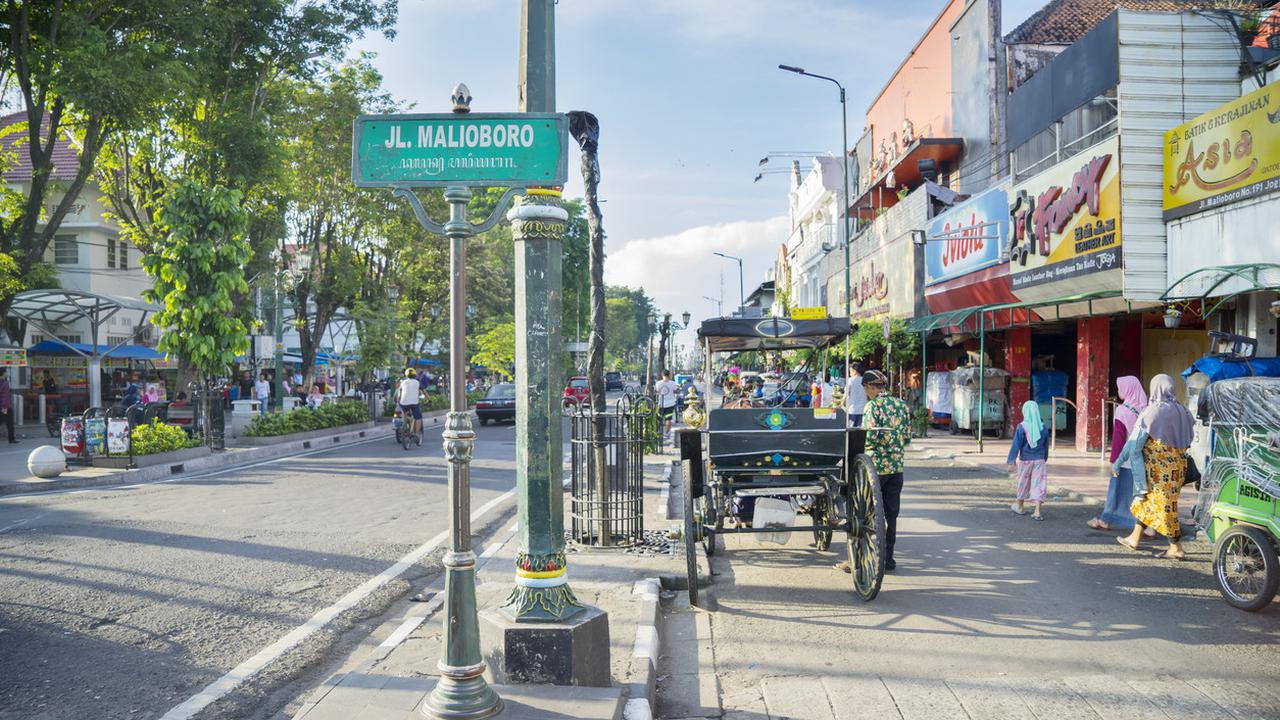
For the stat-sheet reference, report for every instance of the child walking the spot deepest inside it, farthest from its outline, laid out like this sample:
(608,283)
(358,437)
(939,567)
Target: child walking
(1031,451)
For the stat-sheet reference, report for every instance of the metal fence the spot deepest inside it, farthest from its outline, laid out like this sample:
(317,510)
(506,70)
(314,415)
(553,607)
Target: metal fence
(209,414)
(607,452)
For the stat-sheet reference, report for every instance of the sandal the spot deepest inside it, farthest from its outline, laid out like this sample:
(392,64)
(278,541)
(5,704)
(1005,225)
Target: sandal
(1016,511)
(844,567)
(1039,518)
(1169,555)
(1125,543)
(1097,524)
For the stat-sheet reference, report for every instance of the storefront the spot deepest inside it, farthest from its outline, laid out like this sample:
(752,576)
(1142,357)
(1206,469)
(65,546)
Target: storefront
(1222,202)
(60,375)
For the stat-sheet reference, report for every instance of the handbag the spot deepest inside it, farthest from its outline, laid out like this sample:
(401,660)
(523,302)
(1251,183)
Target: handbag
(1193,472)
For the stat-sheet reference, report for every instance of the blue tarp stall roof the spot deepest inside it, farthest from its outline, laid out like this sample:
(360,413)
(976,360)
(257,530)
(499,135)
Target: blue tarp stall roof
(424,361)
(1222,368)
(322,358)
(127,352)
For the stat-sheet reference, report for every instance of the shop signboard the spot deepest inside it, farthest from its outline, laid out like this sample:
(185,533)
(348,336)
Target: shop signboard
(968,237)
(884,284)
(476,149)
(1065,227)
(1226,155)
(817,312)
(13,357)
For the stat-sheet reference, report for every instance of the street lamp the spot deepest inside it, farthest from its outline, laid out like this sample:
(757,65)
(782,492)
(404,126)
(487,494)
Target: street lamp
(648,364)
(742,294)
(844,201)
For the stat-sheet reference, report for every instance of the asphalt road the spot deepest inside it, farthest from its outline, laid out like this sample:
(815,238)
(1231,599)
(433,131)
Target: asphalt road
(125,603)
(987,608)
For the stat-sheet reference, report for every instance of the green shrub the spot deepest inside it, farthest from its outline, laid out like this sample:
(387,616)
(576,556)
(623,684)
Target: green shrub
(160,437)
(304,419)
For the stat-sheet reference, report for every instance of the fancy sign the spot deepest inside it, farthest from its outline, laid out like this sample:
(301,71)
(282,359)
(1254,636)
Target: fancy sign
(967,237)
(1228,154)
(1066,224)
(465,149)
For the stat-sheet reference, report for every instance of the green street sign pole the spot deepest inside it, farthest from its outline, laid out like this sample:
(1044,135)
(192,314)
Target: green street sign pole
(458,152)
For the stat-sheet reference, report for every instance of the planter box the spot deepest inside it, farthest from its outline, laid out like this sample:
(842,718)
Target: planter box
(154,459)
(309,435)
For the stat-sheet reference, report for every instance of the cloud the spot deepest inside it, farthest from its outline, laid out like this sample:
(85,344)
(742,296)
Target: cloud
(679,271)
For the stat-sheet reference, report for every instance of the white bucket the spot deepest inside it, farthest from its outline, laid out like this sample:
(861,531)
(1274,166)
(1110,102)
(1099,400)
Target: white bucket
(776,513)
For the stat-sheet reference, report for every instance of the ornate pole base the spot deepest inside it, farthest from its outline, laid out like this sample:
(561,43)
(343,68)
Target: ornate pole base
(542,592)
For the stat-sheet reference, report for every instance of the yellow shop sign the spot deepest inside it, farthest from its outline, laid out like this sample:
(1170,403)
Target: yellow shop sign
(809,313)
(1228,154)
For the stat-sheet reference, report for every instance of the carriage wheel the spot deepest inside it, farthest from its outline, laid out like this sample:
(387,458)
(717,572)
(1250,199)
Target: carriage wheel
(1244,560)
(690,536)
(821,514)
(866,529)
(710,517)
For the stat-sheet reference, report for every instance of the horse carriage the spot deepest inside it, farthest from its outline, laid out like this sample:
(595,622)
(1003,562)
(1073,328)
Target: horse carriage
(755,449)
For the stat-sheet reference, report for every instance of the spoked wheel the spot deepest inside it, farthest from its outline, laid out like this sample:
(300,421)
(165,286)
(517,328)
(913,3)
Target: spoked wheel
(406,438)
(690,534)
(709,515)
(821,515)
(866,529)
(1246,566)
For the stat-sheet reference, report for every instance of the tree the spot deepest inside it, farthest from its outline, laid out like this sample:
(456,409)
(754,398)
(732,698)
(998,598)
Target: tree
(198,273)
(621,336)
(496,347)
(332,224)
(83,71)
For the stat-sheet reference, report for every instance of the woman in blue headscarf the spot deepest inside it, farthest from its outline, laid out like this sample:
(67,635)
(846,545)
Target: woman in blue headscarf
(1031,451)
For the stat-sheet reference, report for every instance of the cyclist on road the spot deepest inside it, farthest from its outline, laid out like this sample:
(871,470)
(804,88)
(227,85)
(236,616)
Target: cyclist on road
(408,395)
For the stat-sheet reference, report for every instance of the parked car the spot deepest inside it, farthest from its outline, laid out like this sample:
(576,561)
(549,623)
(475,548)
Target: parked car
(577,391)
(497,404)
(613,381)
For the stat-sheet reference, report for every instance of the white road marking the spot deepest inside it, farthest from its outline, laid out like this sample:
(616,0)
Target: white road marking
(242,672)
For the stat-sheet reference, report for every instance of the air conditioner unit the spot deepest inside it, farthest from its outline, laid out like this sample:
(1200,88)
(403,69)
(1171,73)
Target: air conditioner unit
(827,246)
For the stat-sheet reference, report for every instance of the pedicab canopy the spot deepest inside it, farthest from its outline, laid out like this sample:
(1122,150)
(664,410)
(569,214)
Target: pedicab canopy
(1242,401)
(771,333)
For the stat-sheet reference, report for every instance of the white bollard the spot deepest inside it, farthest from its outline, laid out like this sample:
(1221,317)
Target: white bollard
(46,461)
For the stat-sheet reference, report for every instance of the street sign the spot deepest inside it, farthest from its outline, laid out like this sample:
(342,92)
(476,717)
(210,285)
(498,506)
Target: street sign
(888,327)
(809,313)
(13,357)
(461,149)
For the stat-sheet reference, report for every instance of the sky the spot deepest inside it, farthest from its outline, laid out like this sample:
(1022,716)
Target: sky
(689,99)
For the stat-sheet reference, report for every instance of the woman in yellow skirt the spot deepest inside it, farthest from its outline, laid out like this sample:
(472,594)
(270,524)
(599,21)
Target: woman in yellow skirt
(1157,453)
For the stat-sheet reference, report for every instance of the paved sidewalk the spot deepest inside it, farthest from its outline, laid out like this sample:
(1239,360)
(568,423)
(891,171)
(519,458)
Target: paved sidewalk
(403,652)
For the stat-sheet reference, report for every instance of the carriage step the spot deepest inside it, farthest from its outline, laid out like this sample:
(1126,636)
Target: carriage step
(812,489)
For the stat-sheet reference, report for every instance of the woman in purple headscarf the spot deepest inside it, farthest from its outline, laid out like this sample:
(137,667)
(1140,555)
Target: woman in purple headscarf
(1115,514)
(1159,446)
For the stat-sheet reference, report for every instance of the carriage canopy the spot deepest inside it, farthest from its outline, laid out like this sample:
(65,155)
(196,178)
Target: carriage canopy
(770,333)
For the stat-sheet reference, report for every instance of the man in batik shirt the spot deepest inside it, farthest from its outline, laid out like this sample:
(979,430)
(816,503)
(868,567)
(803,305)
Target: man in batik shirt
(887,420)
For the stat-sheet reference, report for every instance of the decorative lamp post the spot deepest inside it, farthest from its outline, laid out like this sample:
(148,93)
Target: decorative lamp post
(742,295)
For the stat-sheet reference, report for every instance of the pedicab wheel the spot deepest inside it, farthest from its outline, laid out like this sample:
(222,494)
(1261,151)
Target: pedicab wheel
(1245,563)
(690,537)
(866,529)
(821,514)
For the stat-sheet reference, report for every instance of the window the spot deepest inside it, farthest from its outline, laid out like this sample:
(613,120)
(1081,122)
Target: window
(124,255)
(119,340)
(69,338)
(36,338)
(66,250)
(111,252)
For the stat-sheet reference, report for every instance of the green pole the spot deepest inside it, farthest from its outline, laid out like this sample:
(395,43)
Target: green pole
(982,372)
(924,379)
(541,592)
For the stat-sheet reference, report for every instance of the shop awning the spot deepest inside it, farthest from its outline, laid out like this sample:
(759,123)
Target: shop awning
(906,173)
(1224,281)
(124,352)
(1006,314)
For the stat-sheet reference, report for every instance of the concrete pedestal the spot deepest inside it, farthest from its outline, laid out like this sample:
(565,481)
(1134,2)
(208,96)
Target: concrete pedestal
(574,652)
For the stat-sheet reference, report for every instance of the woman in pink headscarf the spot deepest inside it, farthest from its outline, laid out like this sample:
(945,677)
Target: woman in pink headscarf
(1115,514)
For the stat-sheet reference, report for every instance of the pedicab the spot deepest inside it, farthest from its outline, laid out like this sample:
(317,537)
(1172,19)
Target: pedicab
(758,449)
(1239,502)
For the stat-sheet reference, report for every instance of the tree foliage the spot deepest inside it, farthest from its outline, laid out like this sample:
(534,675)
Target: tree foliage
(198,273)
(496,347)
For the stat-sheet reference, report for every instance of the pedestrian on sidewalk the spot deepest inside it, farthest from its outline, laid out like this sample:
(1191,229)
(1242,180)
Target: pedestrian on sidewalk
(1030,449)
(666,390)
(1115,514)
(262,391)
(888,424)
(1157,454)
(6,404)
(855,397)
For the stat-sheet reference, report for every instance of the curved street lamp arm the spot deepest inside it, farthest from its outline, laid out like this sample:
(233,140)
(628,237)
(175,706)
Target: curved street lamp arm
(476,228)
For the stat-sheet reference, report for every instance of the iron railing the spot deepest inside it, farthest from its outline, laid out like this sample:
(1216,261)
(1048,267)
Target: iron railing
(607,456)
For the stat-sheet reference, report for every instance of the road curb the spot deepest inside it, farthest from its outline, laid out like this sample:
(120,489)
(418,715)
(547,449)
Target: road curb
(642,694)
(217,461)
